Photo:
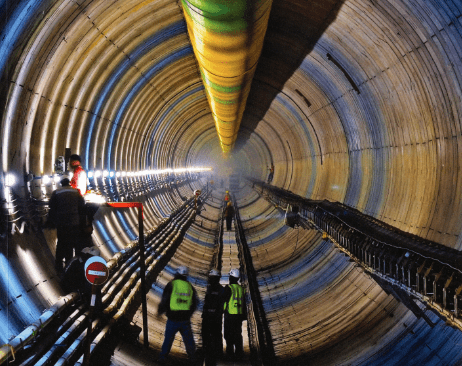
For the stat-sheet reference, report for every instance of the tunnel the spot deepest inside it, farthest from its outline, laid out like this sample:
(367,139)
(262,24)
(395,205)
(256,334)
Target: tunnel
(351,101)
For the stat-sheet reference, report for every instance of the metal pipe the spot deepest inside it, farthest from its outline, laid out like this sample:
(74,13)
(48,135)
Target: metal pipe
(33,330)
(227,38)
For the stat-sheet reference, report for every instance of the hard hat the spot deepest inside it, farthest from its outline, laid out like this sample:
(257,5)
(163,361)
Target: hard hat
(234,273)
(227,191)
(182,270)
(214,272)
(91,250)
(65,180)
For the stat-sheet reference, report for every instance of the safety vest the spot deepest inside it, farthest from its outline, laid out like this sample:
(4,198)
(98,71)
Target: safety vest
(182,295)
(235,305)
(79,180)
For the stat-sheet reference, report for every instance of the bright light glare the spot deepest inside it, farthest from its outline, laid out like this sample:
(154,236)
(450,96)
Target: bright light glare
(95,198)
(46,179)
(57,178)
(106,173)
(10,180)
(8,198)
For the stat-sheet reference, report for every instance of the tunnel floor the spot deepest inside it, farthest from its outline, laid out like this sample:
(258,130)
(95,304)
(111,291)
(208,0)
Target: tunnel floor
(129,354)
(133,353)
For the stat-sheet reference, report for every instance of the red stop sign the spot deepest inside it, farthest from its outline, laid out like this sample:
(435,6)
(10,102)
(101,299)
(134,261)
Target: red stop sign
(96,271)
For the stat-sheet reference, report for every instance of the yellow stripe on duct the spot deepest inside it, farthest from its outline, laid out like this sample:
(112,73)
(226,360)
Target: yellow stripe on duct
(227,37)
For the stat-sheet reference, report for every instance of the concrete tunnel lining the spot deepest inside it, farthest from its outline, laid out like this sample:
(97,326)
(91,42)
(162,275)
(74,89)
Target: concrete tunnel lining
(118,83)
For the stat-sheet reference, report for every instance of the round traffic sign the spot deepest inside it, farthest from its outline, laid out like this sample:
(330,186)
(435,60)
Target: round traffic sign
(96,271)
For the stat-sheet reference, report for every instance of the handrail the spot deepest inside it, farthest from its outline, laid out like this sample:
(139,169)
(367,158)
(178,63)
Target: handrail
(426,269)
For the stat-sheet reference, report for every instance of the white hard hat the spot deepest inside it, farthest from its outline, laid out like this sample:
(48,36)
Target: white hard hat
(214,272)
(182,270)
(234,273)
(91,250)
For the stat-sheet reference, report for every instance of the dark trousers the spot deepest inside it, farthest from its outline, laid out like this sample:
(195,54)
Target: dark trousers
(212,340)
(69,237)
(229,220)
(184,327)
(233,336)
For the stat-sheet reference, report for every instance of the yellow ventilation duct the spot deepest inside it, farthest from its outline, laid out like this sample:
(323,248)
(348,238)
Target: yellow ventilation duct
(227,37)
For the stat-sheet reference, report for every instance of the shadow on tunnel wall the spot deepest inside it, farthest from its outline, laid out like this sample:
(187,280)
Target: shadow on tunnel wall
(294,27)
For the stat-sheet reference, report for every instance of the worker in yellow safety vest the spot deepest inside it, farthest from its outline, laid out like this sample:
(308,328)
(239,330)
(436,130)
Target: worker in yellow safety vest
(235,313)
(179,301)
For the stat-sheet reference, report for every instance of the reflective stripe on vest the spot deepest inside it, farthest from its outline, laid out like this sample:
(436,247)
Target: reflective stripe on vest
(182,294)
(235,304)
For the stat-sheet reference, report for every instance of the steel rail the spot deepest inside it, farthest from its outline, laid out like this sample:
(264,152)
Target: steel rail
(261,339)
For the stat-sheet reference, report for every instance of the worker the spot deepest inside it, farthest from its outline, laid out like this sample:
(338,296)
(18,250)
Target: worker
(67,214)
(227,196)
(235,313)
(74,276)
(229,214)
(271,174)
(212,319)
(79,177)
(179,301)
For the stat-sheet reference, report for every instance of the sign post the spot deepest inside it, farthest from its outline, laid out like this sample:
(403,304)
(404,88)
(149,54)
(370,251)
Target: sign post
(139,206)
(96,272)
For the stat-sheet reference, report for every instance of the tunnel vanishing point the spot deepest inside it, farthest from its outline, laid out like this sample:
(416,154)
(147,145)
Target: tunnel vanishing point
(352,101)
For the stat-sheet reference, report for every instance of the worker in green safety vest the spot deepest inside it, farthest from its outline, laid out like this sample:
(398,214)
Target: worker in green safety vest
(235,313)
(179,301)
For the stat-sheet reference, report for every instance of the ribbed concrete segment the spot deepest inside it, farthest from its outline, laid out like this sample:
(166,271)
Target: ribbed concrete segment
(354,101)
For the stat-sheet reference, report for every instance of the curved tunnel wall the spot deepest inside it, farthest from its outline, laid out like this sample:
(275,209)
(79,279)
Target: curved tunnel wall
(353,101)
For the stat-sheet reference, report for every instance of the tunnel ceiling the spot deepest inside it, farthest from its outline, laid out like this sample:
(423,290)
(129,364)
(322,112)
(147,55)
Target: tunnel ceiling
(355,101)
